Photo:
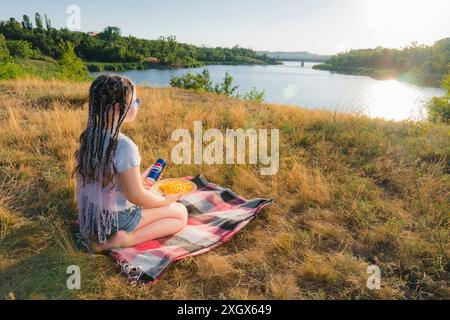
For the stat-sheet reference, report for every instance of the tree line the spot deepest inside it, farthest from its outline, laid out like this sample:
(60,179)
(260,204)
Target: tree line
(12,62)
(422,64)
(110,46)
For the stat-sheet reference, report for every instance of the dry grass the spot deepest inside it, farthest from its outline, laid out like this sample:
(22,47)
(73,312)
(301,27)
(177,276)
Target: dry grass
(351,192)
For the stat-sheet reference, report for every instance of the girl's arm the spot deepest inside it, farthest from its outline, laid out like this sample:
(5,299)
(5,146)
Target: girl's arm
(132,186)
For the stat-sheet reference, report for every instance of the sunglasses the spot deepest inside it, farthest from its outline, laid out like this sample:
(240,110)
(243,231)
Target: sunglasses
(136,103)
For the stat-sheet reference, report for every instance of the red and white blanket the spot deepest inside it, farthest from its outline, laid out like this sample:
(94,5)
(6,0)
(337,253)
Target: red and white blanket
(215,215)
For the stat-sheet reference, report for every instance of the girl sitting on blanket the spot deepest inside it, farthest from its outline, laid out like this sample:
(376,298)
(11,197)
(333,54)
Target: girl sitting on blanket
(116,209)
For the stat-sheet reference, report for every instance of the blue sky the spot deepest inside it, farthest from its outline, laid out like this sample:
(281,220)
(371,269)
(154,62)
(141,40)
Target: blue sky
(319,26)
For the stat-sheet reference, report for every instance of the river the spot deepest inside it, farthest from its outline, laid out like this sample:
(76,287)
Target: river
(293,84)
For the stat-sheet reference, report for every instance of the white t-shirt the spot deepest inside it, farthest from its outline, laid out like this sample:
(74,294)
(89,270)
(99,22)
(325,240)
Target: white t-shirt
(98,206)
(126,156)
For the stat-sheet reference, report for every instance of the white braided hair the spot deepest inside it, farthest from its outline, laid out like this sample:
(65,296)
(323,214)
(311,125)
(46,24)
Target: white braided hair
(97,209)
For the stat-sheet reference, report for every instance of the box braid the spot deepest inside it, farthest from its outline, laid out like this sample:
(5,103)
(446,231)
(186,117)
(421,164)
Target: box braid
(105,92)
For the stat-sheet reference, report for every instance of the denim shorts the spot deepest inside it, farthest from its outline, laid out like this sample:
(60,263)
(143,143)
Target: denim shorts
(129,218)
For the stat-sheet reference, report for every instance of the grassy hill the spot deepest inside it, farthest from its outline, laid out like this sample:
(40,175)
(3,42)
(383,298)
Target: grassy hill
(351,192)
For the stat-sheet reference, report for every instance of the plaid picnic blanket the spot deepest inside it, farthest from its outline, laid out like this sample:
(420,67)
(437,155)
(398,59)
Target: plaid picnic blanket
(215,215)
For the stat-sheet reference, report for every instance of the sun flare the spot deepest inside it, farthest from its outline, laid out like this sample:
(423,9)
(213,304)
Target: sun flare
(388,99)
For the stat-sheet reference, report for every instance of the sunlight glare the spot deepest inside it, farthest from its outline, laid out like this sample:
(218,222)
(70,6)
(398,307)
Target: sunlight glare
(394,100)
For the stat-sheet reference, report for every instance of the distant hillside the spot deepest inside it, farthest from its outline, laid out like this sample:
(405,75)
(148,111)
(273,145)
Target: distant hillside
(298,55)
(108,50)
(423,65)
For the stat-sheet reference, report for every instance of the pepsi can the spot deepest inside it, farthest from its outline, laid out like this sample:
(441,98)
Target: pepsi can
(156,170)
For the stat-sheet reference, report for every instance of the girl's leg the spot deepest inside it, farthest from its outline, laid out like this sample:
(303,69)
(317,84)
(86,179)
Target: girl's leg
(174,210)
(155,223)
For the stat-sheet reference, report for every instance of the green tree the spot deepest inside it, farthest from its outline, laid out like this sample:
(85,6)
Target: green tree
(199,82)
(4,52)
(38,21)
(15,28)
(20,48)
(226,86)
(110,34)
(48,22)
(26,23)
(72,68)
(202,82)
(255,95)
(439,107)
(8,68)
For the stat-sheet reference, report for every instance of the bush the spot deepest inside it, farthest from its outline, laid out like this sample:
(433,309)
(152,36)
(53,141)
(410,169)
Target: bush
(439,107)
(10,70)
(255,95)
(20,48)
(226,86)
(115,67)
(72,68)
(200,81)
(4,52)
(110,67)
(95,67)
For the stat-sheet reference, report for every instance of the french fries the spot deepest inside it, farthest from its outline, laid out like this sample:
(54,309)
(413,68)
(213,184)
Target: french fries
(175,186)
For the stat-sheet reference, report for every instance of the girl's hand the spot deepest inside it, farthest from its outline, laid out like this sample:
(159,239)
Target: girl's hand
(146,181)
(173,197)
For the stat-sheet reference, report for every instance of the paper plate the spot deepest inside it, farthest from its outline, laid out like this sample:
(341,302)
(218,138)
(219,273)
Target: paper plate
(158,184)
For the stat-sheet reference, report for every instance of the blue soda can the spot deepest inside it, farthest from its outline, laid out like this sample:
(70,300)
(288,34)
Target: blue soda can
(156,170)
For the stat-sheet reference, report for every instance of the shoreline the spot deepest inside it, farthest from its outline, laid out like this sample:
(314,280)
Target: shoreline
(381,74)
(413,112)
(94,66)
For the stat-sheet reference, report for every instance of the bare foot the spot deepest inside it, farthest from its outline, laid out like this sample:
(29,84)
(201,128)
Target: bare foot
(117,240)
(97,247)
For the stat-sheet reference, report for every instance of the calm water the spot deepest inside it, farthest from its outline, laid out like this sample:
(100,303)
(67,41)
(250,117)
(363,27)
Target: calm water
(303,86)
